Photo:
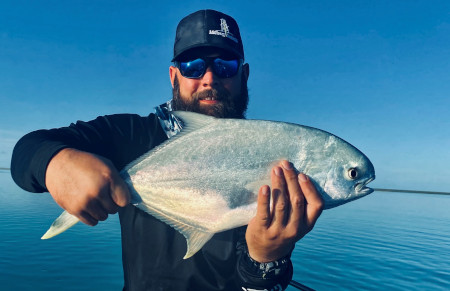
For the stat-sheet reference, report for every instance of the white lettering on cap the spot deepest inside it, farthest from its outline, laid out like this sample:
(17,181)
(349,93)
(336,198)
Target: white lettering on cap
(224,31)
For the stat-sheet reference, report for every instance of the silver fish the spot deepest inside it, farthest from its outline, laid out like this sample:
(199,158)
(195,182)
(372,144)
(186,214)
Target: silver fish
(206,179)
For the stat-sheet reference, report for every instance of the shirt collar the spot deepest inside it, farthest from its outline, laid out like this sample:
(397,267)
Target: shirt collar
(169,122)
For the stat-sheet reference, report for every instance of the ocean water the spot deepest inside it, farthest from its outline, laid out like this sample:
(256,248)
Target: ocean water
(386,241)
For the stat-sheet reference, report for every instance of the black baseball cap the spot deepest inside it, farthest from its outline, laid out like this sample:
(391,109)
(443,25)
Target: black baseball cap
(208,28)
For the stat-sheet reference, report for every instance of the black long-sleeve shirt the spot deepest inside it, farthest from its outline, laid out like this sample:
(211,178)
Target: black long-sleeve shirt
(152,251)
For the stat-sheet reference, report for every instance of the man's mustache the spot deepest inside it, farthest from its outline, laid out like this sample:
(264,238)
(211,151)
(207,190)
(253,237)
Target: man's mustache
(214,93)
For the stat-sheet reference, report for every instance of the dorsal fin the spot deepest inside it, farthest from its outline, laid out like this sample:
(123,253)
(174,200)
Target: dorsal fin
(193,121)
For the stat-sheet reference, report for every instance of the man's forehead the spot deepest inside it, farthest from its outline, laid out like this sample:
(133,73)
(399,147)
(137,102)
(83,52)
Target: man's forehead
(199,52)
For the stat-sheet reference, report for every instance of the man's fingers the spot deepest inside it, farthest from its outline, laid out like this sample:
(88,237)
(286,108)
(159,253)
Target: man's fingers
(86,218)
(105,198)
(109,205)
(297,209)
(263,208)
(291,178)
(118,189)
(313,199)
(119,192)
(96,210)
(279,196)
(295,193)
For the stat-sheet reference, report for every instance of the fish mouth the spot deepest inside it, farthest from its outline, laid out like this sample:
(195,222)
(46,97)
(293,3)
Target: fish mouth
(360,188)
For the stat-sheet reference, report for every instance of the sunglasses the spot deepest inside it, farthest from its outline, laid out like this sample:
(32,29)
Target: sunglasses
(195,69)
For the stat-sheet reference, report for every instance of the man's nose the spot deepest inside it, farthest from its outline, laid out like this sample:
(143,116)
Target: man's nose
(209,79)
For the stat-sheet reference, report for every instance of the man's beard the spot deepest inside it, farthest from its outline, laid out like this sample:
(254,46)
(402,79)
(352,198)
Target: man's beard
(227,106)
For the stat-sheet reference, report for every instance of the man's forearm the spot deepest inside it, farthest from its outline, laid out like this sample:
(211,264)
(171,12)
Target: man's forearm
(30,158)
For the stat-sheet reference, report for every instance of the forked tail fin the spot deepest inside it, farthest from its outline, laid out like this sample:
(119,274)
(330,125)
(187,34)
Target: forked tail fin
(61,224)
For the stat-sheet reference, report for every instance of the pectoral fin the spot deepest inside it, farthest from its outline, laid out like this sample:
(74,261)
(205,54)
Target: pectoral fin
(61,224)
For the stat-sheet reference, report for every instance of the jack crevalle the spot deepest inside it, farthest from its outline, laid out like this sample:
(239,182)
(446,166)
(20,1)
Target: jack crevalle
(206,179)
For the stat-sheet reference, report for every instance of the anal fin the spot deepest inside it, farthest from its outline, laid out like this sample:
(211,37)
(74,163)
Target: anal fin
(195,241)
(195,238)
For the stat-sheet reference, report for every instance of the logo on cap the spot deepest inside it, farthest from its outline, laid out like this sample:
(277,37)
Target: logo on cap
(224,31)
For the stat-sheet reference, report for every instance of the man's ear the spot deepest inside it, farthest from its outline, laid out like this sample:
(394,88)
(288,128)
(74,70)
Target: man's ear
(246,70)
(172,73)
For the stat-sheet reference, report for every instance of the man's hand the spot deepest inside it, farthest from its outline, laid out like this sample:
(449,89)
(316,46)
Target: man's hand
(86,185)
(296,206)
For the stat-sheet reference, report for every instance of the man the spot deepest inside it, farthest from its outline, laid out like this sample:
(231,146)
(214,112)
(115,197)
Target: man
(79,166)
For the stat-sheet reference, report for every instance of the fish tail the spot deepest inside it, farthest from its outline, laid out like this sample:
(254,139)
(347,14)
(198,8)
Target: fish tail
(61,224)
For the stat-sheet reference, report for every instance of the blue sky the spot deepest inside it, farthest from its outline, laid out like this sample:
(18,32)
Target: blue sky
(375,73)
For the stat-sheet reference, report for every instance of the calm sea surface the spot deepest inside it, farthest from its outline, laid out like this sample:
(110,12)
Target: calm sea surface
(386,241)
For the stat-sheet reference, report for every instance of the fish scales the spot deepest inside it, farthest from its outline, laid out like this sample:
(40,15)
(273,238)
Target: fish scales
(206,179)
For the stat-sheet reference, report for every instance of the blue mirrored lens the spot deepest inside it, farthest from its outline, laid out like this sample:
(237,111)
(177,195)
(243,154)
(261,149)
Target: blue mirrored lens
(193,69)
(197,68)
(225,69)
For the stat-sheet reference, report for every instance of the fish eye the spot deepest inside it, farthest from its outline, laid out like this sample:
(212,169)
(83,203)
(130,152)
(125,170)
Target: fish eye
(352,173)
